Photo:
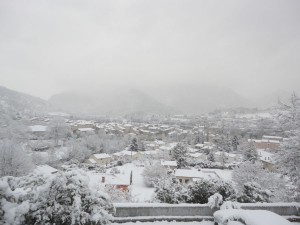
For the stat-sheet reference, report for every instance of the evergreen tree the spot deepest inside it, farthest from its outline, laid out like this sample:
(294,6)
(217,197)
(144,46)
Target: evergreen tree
(250,152)
(222,143)
(211,157)
(134,146)
(130,181)
(235,143)
(180,155)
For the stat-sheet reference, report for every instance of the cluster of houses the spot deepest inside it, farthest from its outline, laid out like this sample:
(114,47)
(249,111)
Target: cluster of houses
(266,148)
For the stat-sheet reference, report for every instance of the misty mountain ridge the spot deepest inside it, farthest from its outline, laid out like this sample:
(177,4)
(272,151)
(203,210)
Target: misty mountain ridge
(109,102)
(13,103)
(164,100)
(185,99)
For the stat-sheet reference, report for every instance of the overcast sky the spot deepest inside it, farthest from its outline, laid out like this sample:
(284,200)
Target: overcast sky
(251,46)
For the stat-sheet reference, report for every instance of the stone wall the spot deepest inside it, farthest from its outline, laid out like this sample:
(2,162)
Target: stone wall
(152,210)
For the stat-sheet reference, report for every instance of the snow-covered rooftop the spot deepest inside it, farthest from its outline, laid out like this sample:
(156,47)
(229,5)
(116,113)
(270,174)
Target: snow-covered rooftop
(101,156)
(45,169)
(86,129)
(196,174)
(168,163)
(38,128)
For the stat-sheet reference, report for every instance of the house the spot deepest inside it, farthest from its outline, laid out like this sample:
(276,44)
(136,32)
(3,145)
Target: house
(45,169)
(102,159)
(267,144)
(169,164)
(186,176)
(126,155)
(198,155)
(267,159)
(226,157)
(114,181)
(85,130)
(38,130)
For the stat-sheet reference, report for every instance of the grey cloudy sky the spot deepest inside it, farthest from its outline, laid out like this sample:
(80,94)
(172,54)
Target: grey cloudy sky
(50,46)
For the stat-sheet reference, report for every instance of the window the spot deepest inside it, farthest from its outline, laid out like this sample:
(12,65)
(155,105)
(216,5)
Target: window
(180,180)
(186,181)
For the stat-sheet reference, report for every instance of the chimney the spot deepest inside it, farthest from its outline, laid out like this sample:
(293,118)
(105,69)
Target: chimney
(103,180)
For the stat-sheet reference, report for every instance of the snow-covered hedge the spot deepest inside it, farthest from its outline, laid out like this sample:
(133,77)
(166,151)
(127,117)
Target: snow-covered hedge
(249,217)
(62,198)
(170,191)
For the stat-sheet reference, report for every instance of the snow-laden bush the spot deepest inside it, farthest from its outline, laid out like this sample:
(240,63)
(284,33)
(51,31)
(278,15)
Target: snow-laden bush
(153,174)
(170,191)
(201,190)
(230,205)
(215,201)
(62,199)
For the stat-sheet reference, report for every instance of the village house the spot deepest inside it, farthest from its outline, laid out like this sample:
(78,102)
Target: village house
(38,130)
(114,181)
(85,131)
(198,156)
(267,160)
(126,156)
(102,159)
(271,143)
(169,164)
(186,176)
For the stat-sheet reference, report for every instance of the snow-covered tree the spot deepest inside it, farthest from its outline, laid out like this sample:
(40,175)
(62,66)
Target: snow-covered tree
(253,172)
(288,114)
(134,146)
(222,142)
(288,159)
(211,157)
(249,152)
(235,143)
(79,151)
(93,143)
(252,192)
(57,130)
(154,174)
(180,155)
(63,198)
(14,161)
